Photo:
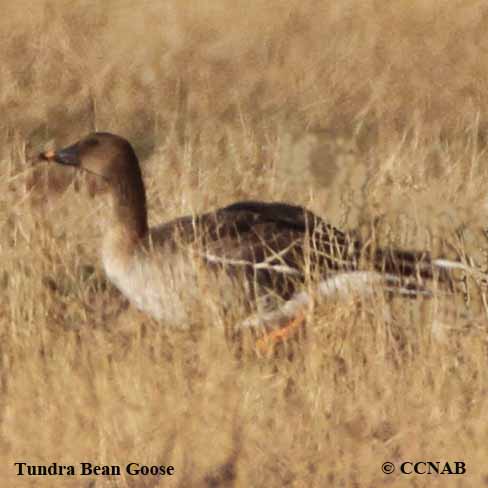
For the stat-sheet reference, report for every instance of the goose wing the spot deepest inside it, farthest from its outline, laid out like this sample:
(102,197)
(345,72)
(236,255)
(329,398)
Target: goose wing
(277,244)
(274,244)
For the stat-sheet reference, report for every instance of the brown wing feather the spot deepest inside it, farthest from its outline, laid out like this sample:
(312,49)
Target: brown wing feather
(274,243)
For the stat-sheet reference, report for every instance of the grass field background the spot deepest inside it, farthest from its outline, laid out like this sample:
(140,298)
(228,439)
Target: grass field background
(373,114)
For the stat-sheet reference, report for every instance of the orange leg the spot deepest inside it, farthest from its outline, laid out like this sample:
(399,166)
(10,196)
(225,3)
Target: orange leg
(267,343)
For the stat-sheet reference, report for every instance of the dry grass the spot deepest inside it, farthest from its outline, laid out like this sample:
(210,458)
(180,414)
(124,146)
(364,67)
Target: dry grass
(372,114)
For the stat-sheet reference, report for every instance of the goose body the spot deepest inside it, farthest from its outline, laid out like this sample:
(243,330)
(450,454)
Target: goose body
(254,252)
(248,250)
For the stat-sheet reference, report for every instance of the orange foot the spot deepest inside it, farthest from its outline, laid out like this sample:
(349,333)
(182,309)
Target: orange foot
(266,344)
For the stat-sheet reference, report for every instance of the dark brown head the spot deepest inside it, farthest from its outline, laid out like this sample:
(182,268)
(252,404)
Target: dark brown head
(101,153)
(112,158)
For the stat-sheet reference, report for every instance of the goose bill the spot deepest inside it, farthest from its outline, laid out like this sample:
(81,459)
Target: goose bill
(69,155)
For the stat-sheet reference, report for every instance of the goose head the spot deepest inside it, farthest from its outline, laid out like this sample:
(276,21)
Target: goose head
(102,154)
(111,158)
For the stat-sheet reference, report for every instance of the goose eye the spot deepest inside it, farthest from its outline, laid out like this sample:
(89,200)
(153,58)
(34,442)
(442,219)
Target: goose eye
(91,142)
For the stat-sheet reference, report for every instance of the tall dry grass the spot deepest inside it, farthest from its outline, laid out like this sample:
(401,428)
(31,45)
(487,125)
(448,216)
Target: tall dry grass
(373,114)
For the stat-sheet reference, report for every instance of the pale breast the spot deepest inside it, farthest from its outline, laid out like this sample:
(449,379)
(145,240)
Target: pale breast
(172,288)
(138,277)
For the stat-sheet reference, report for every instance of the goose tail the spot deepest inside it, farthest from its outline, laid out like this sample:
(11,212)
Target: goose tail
(413,270)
